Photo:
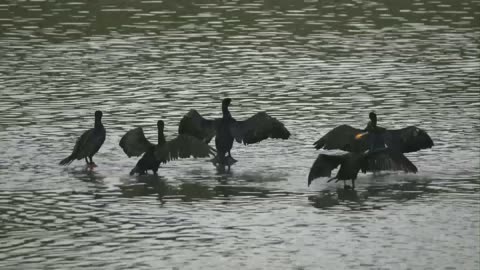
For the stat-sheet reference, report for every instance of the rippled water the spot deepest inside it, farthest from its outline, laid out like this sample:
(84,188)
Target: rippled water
(312,64)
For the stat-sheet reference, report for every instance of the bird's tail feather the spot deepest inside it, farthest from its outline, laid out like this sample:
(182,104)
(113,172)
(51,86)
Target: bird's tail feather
(320,143)
(66,160)
(331,179)
(133,171)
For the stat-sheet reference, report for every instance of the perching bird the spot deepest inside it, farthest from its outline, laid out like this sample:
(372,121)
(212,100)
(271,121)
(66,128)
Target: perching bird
(88,144)
(258,127)
(351,163)
(347,138)
(134,143)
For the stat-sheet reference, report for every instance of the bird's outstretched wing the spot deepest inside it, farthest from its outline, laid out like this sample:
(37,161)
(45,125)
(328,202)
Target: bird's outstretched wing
(387,159)
(343,138)
(409,139)
(194,124)
(183,146)
(258,128)
(323,166)
(134,142)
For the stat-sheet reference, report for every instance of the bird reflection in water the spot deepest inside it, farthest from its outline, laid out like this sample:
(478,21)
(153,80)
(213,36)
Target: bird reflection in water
(87,174)
(232,191)
(264,176)
(153,184)
(223,170)
(398,192)
(402,192)
(348,195)
(146,185)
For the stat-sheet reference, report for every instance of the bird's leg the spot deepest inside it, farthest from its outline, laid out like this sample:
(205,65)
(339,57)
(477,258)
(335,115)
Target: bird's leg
(353,183)
(230,160)
(219,159)
(345,186)
(224,160)
(92,164)
(86,160)
(220,168)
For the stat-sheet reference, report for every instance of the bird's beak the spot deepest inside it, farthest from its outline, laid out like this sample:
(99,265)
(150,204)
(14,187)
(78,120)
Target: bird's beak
(360,135)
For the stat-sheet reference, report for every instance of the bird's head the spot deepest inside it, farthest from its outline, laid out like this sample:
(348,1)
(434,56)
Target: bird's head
(226,102)
(98,114)
(373,116)
(160,125)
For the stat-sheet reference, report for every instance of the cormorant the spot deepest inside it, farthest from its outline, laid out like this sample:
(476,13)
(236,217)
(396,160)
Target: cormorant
(88,144)
(375,139)
(347,138)
(258,127)
(351,163)
(134,143)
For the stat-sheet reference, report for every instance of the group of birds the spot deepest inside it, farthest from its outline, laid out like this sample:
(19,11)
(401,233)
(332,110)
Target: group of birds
(371,149)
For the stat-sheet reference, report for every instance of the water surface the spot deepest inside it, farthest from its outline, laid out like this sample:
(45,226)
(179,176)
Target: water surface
(312,64)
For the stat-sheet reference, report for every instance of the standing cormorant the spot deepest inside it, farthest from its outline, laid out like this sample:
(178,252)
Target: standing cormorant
(134,143)
(258,127)
(88,144)
(352,163)
(347,138)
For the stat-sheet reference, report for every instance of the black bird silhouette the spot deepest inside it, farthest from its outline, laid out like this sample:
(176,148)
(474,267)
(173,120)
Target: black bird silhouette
(258,127)
(351,163)
(134,143)
(347,138)
(88,144)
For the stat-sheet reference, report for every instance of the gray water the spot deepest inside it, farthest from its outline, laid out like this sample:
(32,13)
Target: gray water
(311,64)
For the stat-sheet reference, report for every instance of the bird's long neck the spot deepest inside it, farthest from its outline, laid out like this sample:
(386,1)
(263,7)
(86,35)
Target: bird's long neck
(226,112)
(98,123)
(373,120)
(161,137)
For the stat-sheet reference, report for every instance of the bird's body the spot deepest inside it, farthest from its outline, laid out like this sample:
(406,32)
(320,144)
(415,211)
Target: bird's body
(351,163)
(375,133)
(134,143)
(88,143)
(226,129)
(350,166)
(224,138)
(147,162)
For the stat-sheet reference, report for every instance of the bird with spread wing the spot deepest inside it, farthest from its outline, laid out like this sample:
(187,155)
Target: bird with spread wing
(258,127)
(384,159)
(347,138)
(134,143)
(371,149)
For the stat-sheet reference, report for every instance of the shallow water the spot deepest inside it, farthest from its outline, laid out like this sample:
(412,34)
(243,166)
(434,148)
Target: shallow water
(313,65)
